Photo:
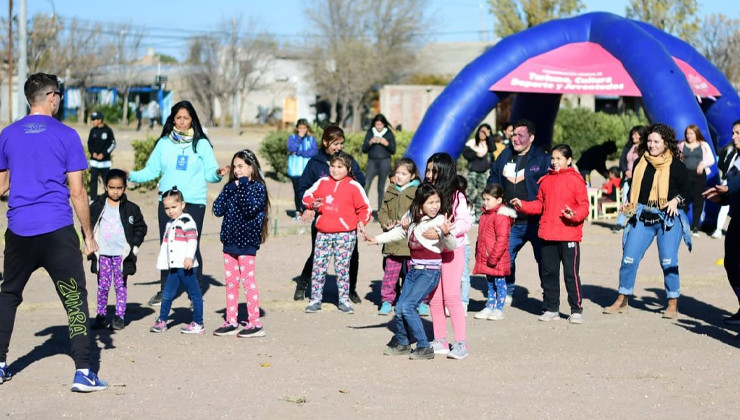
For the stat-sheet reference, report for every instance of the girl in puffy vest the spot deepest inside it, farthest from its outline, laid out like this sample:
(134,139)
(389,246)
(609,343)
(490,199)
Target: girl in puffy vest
(492,250)
(562,200)
(396,203)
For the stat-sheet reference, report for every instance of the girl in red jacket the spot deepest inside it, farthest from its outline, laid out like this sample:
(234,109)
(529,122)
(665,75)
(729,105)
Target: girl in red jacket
(343,208)
(492,250)
(563,203)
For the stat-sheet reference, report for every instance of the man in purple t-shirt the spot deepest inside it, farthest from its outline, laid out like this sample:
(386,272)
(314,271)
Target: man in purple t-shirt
(42,162)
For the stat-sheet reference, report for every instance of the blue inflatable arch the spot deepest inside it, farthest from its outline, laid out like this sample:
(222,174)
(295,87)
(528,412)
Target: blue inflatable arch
(644,51)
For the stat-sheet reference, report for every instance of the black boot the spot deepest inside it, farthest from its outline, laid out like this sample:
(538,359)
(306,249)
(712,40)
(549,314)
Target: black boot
(300,290)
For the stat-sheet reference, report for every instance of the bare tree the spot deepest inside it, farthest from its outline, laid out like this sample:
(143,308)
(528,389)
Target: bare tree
(719,41)
(363,43)
(80,55)
(230,65)
(43,43)
(126,43)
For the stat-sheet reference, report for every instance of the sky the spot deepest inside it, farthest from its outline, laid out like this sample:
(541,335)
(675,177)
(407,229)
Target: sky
(169,23)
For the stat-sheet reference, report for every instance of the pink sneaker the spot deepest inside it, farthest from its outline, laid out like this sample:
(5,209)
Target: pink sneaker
(193,328)
(159,326)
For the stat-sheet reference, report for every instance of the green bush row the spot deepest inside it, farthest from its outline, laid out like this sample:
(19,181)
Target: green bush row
(142,150)
(580,128)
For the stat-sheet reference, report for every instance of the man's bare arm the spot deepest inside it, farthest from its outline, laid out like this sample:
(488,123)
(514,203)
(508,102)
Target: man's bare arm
(80,204)
(4,181)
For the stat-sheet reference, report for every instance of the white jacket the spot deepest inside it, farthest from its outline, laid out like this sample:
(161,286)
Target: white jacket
(448,242)
(180,241)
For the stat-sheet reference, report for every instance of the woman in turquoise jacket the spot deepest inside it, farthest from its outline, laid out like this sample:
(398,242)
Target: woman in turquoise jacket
(183,157)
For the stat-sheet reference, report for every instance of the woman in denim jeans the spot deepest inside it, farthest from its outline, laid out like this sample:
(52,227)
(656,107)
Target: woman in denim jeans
(656,208)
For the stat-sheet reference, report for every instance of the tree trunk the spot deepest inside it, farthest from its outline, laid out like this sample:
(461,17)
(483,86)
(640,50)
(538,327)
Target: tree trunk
(235,111)
(83,103)
(356,117)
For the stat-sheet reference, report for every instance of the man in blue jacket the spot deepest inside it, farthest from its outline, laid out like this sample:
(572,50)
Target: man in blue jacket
(517,170)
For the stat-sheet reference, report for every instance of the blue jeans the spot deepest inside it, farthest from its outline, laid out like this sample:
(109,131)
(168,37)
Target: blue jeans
(637,239)
(417,286)
(189,280)
(465,284)
(520,234)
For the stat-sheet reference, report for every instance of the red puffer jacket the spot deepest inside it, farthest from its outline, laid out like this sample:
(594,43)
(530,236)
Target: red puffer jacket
(492,249)
(559,189)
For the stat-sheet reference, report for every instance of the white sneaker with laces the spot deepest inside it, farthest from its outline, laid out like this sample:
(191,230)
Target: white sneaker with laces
(440,346)
(549,316)
(576,318)
(497,315)
(484,314)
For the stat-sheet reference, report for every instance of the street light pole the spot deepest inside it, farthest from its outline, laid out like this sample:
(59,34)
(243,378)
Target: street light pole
(22,57)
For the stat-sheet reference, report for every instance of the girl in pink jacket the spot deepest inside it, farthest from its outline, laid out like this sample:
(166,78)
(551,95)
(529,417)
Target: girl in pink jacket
(343,208)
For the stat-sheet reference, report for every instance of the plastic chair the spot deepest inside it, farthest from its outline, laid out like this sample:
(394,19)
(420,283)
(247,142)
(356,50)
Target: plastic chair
(611,210)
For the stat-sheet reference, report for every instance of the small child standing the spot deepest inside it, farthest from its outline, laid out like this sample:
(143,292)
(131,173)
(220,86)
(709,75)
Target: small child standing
(245,206)
(343,207)
(562,201)
(426,269)
(492,250)
(119,229)
(396,203)
(177,255)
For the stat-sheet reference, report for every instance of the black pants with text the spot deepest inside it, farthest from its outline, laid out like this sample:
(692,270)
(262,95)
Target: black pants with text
(354,264)
(553,253)
(58,253)
(198,211)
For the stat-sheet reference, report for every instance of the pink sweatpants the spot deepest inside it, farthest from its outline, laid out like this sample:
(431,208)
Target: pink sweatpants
(447,294)
(240,269)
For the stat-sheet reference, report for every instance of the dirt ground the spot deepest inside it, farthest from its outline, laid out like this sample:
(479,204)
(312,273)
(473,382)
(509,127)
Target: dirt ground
(329,364)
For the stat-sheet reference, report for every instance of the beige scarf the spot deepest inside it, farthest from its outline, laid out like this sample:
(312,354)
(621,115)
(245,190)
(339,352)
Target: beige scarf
(659,191)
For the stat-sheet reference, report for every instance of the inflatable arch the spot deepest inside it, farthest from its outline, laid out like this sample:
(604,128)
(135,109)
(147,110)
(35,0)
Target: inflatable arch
(646,54)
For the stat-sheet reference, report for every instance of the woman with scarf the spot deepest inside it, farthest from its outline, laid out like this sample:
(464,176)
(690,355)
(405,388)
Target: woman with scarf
(380,145)
(656,207)
(183,157)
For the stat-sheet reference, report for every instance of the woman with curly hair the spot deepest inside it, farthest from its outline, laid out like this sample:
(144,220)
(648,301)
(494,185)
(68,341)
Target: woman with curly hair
(656,209)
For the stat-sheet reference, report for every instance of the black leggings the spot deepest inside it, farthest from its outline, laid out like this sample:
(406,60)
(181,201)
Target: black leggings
(380,168)
(198,211)
(553,253)
(354,264)
(58,253)
(697,183)
(298,201)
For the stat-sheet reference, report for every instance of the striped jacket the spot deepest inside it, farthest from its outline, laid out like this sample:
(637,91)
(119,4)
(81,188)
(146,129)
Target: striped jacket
(179,242)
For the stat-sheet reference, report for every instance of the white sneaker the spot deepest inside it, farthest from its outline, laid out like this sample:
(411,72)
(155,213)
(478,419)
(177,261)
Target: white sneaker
(717,234)
(497,315)
(484,314)
(576,318)
(508,300)
(440,346)
(549,316)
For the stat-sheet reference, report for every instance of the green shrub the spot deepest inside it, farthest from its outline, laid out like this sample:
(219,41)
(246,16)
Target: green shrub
(113,113)
(581,128)
(142,150)
(274,149)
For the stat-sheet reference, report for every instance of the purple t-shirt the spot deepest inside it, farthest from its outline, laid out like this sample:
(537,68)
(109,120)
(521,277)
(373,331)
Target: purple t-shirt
(39,151)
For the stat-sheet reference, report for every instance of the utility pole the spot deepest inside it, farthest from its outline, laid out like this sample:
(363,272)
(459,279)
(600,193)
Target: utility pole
(10,61)
(22,57)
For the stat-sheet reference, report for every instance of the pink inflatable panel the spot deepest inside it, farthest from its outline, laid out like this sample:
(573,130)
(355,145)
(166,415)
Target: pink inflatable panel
(585,68)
